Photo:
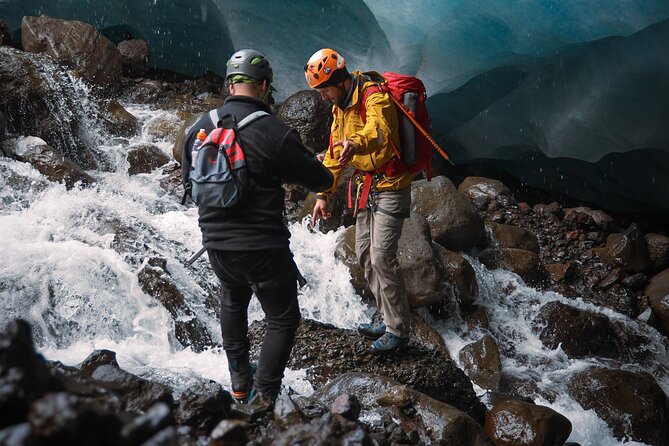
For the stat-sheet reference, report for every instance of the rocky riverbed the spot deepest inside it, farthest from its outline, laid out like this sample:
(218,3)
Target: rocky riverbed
(611,274)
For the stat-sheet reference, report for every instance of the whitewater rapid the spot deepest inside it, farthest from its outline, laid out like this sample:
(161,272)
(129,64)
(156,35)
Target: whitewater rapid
(60,271)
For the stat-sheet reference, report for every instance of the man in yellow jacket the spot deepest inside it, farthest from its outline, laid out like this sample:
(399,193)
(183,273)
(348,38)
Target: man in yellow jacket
(367,137)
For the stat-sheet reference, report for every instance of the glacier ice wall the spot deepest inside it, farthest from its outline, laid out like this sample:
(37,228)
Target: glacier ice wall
(446,42)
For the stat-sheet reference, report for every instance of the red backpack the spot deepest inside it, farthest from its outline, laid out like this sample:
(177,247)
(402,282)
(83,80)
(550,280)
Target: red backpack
(408,93)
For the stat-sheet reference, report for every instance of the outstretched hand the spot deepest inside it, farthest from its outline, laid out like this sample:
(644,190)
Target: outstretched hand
(348,149)
(320,211)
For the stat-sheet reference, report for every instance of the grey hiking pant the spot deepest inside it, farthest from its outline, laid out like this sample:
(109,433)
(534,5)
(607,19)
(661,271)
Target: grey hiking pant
(377,232)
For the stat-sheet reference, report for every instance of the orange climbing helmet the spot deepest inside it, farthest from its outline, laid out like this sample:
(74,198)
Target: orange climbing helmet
(325,67)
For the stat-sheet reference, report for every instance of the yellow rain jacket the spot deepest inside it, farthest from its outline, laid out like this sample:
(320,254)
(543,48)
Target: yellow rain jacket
(371,138)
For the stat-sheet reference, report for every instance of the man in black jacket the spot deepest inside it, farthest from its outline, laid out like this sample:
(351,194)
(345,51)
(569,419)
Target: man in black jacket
(248,243)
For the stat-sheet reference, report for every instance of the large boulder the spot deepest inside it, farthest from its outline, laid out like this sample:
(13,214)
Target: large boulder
(134,56)
(454,222)
(423,274)
(632,404)
(118,121)
(144,158)
(326,352)
(47,160)
(420,264)
(75,44)
(437,422)
(526,264)
(518,423)
(137,394)
(565,325)
(658,298)
(481,360)
(310,116)
(460,274)
(510,236)
(482,191)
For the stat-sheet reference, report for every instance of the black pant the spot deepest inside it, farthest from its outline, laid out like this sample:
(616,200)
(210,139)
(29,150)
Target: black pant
(272,276)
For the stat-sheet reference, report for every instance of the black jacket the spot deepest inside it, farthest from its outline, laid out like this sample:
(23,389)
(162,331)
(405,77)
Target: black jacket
(274,153)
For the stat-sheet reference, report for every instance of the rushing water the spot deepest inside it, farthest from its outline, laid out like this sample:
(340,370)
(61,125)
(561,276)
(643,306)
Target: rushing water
(60,271)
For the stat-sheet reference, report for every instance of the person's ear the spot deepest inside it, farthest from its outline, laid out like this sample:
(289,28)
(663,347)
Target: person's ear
(230,91)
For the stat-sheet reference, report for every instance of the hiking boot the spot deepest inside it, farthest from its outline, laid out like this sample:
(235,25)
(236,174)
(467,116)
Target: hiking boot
(372,331)
(389,343)
(242,382)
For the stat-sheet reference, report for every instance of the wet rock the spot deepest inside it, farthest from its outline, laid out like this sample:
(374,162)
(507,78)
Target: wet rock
(163,127)
(560,324)
(48,161)
(145,158)
(613,277)
(39,100)
(229,433)
(326,352)
(158,417)
(657,291)
(476,317)
(62,418)
(517,423)
(423,274)
(23,375)
(137,394)
(134,56)
(446,423)
(327,430)
(203,406)
(460,274)
(286,412)
(524,263)
(306,112)
(628,250)
(509,236)
(453,220)
(347,406)
(632,404)
(484,190)
(635,281)
(481,361)
(560,271)
(585,217)
(157,282)
(424,334)
(400,396)
(117,120)
(551,208)
(76,44)
(187,121)
(5,34)
(658,251)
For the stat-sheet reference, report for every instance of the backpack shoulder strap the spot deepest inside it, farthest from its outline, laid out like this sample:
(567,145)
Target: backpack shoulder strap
(250,118)
(214,116)
(366,93)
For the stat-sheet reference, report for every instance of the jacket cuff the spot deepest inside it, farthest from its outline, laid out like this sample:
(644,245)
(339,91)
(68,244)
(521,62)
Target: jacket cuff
(322,196)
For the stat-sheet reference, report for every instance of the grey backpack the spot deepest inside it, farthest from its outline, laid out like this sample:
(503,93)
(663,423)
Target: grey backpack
(219,177)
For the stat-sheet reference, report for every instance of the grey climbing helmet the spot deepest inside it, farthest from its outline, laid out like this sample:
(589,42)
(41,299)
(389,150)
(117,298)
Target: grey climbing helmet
(249,63)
